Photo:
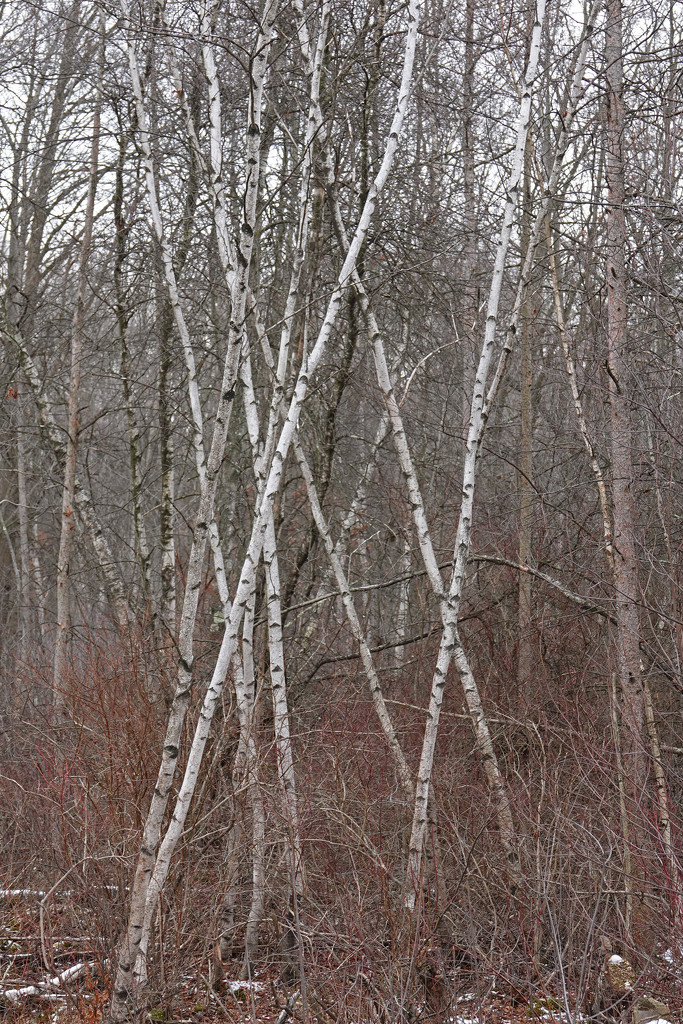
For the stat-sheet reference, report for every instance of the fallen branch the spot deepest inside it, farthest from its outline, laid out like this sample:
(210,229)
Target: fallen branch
(44,989)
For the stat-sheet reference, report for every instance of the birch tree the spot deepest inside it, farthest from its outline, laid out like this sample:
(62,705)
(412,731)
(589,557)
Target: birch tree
(124,989)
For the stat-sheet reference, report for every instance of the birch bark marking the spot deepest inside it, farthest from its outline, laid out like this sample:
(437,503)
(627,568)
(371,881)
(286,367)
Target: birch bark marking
(394,418)
(235,281)
(470,689)
(450,643)
(283,742)
(472,697)
(123,986)
(68,491)
(281,726)
(246,696)
(625,562)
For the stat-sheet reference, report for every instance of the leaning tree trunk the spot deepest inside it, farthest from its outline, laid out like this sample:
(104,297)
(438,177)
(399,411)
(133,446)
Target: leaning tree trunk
(450,641)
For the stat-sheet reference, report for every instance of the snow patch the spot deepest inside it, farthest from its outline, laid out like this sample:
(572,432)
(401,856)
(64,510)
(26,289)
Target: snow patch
(245,986)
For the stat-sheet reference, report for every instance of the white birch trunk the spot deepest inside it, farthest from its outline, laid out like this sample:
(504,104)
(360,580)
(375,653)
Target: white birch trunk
(449,619)
(277,664)
(194,569)
(450,642)
(403,611)
(246,700)
(451,645)
(283,740)
(124,988)
(664,823)
(122,317)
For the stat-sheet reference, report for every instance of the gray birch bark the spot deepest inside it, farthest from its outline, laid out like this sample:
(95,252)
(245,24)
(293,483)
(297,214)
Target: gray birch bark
(663,805)
(246,698)
(28,218)
(224,246)
(170,277)
(285,761)
(403,610)
(623,809)
(470,310)
(549,194)
(283,742)
(281,724)
(449,620)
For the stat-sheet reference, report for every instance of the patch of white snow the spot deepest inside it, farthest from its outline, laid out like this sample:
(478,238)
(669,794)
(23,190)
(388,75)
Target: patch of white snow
(237,986)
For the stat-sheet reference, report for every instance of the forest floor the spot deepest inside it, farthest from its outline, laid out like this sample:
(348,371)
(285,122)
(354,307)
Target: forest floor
(84,1000)
(255,1004)
(75,990)
(29,994)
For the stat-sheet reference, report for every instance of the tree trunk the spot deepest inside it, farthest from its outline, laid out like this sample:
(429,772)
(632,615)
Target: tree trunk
(625,564)
(525,648)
